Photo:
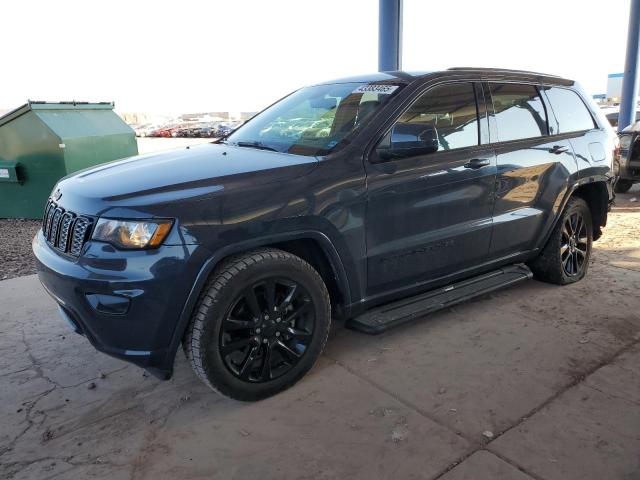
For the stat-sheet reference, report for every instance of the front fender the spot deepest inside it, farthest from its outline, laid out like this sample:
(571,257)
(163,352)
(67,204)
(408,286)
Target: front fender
(216,257)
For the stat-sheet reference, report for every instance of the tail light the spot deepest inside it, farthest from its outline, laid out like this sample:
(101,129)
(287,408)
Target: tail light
(624,141)
(615,161)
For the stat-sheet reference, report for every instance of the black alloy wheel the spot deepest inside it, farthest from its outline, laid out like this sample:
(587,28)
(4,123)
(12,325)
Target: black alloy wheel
(267,330)
(575,243)
(261,323)
(565,257)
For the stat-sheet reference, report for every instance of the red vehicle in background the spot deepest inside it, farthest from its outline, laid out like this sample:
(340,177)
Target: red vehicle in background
(164,132)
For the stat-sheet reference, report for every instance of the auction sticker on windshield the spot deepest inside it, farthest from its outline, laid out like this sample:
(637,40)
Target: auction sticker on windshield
(382,89)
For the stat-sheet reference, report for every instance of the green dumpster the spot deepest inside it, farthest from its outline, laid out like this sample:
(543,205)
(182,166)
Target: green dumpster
(42,142)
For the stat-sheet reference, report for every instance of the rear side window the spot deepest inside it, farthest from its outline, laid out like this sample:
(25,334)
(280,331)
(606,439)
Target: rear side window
(518,110)
(452,110)
(569,109)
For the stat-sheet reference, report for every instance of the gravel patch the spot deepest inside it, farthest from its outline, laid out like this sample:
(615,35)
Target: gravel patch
(16,257)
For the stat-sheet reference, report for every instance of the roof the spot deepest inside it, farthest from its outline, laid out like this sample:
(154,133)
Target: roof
(408,77)
(396,77)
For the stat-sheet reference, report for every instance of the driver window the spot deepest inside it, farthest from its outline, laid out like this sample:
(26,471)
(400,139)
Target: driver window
(452,110)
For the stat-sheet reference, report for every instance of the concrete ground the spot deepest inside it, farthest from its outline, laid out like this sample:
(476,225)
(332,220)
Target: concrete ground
(534,382)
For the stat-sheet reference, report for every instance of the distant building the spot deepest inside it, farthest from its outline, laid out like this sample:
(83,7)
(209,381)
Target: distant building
(134,118)
(614,87)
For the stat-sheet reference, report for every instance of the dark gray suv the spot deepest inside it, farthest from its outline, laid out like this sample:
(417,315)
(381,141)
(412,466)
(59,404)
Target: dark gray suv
(372,200)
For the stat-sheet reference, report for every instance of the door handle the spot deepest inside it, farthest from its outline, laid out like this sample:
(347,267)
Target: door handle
(477,163)
(558,149)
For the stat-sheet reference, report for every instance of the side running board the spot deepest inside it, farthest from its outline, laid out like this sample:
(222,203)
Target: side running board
(382,318)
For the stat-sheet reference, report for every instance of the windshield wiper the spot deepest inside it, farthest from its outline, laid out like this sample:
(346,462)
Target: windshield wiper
(258,145)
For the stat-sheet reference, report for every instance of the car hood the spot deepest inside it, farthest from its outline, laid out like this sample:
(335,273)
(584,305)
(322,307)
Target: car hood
(193,173)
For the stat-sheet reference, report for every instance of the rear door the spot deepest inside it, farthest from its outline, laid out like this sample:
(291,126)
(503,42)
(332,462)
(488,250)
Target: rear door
(533,166)
(430,215)
(571,119)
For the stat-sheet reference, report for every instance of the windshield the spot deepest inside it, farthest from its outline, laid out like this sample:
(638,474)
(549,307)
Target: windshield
(313,120)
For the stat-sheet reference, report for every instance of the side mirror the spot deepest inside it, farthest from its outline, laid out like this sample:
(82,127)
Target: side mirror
(410,140)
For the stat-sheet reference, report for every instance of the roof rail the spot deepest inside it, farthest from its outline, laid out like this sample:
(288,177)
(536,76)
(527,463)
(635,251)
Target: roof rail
(505,70)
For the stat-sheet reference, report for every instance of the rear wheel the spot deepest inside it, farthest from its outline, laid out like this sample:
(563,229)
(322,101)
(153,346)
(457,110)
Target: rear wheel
(623,186)
(260,324)
(565,257)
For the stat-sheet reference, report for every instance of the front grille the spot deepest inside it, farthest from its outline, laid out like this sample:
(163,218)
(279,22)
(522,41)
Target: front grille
(65,230)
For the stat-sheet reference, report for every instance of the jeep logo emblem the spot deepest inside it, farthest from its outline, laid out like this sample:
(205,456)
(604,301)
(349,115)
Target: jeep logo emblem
(57,195)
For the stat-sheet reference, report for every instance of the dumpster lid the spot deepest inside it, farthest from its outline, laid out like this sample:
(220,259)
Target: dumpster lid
(41,105)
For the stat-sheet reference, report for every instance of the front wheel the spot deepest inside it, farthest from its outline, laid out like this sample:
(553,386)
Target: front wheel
(260,325)
(565,257)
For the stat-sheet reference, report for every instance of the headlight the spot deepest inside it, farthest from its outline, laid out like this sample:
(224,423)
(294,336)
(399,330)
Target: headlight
(128,234)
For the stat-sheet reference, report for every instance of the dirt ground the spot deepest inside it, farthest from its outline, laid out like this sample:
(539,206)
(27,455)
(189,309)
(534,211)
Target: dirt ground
(15,247)
(533,382)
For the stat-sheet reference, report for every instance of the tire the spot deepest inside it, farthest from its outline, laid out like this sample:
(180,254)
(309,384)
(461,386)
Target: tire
(623,185)
(247,356)
(565,257)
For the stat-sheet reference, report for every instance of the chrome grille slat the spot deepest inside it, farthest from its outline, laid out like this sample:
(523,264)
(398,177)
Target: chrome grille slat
(55,225)
(79,235)
(45,217)
(48,220)
(65,227)
(64,230)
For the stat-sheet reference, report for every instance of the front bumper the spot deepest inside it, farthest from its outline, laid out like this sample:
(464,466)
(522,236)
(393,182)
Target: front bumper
(127,303)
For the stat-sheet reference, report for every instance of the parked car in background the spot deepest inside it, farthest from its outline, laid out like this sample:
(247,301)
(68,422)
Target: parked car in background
(144,130)
(373,199)
(612,117)
(208,132)
(204,130)
(182,131)
(190,130)
(164,131)
(629,165)
(223,130)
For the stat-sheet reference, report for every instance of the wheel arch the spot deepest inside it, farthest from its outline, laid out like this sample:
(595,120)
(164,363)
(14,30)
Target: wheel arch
(315,253)
(313,246)
(596,191)
(596,195)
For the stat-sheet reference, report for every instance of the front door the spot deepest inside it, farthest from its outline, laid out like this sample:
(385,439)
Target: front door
(430,215)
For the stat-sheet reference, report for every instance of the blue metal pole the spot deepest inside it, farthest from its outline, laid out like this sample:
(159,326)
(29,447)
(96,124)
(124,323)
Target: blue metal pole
(390,35)
(630,80)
